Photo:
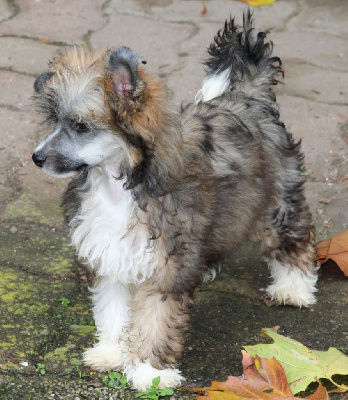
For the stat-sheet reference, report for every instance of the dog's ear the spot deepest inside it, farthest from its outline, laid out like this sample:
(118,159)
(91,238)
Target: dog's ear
(41,80)
(123,65)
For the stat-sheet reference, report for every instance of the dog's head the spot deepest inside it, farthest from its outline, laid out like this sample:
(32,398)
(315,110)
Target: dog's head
(101,105)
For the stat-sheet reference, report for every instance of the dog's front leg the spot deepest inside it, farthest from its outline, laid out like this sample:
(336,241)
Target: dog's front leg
(155,336)
(111,313)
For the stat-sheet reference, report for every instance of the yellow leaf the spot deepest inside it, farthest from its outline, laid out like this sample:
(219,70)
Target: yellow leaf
(256,3)
(302,365)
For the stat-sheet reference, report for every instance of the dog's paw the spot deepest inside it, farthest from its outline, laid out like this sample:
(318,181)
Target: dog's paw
(292,285)
(285,297)
(104,357)
(142,375)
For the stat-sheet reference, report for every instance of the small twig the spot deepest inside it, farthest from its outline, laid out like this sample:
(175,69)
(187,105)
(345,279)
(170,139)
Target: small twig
(344,178)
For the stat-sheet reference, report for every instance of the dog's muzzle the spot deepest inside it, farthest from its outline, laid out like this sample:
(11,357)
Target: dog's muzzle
(39,159)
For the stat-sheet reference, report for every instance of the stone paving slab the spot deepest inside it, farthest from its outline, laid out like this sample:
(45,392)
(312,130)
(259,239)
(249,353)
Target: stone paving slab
(36,248)
(37,267)
(12,98)
(36,326)
(303,80)
(322,49)
(146,38)
(59,388)
(189,11)
(7,10)
(319,127)
(23,55)
(60,21)
(328,203)
(321,15)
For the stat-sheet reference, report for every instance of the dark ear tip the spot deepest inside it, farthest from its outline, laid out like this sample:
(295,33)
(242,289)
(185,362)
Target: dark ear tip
(41,80)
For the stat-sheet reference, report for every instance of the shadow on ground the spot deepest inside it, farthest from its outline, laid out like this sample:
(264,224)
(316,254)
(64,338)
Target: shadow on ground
(38,270)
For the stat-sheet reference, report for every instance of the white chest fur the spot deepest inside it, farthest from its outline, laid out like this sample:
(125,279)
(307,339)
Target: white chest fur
(106,233)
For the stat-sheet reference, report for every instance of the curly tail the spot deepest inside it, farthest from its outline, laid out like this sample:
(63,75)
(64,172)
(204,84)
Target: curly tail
(242,62)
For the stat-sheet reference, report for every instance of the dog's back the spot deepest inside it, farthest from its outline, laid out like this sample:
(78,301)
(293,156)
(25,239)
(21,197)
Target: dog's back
(235,120)
(257,164)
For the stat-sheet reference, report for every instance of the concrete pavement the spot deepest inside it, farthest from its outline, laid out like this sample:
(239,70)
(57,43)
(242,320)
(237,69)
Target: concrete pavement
(37,267)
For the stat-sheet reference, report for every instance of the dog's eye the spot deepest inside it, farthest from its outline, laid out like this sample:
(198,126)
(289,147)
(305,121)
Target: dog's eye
(80,127)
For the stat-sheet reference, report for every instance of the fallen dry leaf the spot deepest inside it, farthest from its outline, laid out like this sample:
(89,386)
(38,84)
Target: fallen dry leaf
(44,40)
(256,3)
(343,116)
(302,365)
(319,394)
(261,379)
(335,249)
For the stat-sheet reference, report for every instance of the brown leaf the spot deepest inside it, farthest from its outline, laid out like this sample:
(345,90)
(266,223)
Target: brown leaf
(335,249)
(262,379)
(320,394)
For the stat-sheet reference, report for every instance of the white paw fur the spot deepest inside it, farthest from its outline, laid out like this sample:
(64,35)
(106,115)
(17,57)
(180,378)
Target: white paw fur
(292,285)
(104,357)
(142,375)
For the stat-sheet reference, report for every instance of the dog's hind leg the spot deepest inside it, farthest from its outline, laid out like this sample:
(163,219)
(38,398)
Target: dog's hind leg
(155,336)
(288,247)
(111,313)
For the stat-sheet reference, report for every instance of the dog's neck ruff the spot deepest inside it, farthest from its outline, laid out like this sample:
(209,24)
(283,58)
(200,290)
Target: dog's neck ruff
(106,232)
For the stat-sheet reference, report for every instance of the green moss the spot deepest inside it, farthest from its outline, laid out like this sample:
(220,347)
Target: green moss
(61,264)
(84,330)
(37,247)
(25,208)
(61,354)
(10,364)
(8,297)
(19,311)
(11,340)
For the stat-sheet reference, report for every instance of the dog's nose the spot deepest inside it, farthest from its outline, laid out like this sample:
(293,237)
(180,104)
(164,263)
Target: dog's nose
(39,159)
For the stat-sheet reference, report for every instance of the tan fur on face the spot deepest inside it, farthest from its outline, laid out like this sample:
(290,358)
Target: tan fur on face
(76,59)
(78,83)
(151,120)
(146,116)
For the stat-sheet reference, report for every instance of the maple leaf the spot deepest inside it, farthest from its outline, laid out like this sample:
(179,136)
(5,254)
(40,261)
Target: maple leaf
(302,365)
(336,249)
(261,379)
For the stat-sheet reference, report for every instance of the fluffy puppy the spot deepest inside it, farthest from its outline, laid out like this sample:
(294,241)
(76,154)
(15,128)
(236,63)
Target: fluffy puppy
(159,197)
